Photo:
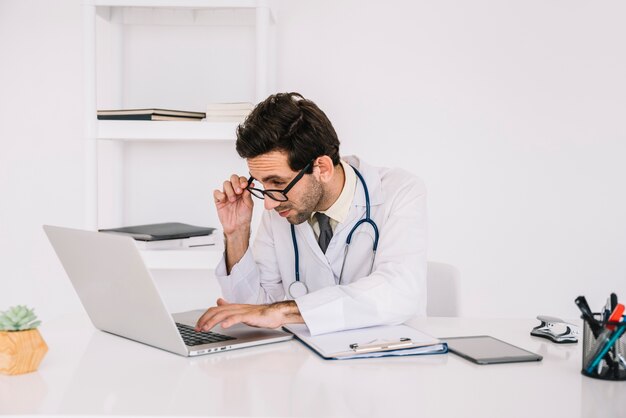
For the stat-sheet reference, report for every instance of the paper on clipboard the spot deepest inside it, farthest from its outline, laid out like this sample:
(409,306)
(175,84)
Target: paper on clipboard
(387,339)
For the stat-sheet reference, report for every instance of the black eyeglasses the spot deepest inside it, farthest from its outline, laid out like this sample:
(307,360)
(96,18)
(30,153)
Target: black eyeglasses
(277,195)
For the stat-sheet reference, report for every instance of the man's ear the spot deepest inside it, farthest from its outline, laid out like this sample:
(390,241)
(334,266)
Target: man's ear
(326,168)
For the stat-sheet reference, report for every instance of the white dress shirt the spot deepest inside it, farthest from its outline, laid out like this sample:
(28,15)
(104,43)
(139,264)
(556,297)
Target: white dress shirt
(339,210)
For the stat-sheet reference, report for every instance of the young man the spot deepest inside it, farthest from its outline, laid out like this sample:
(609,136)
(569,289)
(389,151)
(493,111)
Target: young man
(299,269)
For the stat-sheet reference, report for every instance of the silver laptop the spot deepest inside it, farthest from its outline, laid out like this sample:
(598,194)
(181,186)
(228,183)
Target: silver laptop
(120,297)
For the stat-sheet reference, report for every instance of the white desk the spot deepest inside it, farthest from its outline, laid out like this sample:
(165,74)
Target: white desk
(88,372)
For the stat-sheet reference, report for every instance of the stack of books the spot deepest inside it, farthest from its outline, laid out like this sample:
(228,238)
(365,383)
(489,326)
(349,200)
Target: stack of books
(167,236)
(150,114)
(228,112)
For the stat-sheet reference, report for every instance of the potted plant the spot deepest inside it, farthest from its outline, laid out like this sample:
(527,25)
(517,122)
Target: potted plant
(21,346)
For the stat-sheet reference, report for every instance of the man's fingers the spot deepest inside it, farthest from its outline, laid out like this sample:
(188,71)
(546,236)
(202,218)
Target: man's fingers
(204,318)
(211,322)
(239,183)
(217,314)
(219,317)
(229,191)
(235,186)
(219,196)
(230,314)
(236,183)
(247,198)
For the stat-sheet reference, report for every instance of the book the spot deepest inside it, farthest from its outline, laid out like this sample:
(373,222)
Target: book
(162,231)
(241,112)
(379,341)
(229,106)
(146,117)
(149,114)
(231,118)
(228,112)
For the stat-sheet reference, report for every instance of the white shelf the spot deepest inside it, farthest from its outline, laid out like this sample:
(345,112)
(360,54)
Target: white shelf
(116,25)
(137,130)
(188,259)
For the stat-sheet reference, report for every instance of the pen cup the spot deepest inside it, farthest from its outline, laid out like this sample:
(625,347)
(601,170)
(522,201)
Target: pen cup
(604,354)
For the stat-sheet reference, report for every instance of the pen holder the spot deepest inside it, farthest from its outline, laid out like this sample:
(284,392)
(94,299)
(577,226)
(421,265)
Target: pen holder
(604,354)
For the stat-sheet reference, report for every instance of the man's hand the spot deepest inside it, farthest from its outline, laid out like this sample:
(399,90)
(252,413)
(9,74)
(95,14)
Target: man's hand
(234,209)
(234,205)
(261,316)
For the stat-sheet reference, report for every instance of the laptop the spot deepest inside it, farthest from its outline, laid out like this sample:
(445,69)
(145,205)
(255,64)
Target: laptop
(120,297)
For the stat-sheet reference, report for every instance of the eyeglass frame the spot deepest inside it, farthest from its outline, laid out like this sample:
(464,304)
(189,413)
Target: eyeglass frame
(253,190)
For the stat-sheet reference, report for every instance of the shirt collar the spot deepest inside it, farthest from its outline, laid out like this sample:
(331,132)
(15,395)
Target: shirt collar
(339,210)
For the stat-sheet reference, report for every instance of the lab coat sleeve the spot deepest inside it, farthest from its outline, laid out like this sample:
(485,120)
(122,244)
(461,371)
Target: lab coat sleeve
(396,289)
(255,278)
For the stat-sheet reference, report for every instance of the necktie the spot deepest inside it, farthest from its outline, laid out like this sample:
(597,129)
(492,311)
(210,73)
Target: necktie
(326,232)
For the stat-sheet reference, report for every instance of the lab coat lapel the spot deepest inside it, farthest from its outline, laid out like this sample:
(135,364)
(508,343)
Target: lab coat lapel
(356,212)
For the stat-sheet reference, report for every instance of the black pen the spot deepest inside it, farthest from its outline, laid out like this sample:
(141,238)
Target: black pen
(606,312)
(613,301)
(582,304)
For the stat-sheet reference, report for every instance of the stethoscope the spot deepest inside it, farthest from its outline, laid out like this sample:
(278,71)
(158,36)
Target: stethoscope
(298,288)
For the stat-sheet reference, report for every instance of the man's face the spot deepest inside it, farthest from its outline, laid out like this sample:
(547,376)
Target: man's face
(272,171)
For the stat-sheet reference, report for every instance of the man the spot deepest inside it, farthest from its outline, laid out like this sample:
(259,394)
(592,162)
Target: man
(299,270)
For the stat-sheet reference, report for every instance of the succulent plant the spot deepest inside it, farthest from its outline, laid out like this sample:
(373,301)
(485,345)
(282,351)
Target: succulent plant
(18,318)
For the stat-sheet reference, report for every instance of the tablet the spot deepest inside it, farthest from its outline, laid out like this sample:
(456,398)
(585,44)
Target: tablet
(483,349)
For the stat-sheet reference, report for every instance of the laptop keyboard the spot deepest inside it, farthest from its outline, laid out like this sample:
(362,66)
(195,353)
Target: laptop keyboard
(192,337)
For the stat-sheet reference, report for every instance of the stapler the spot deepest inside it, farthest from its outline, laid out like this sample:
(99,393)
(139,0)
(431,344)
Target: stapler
(547,330)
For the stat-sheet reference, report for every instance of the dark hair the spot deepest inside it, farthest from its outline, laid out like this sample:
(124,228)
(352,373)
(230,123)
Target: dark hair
(288,122)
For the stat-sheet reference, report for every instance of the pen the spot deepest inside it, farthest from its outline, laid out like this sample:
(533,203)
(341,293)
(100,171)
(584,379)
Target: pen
(606,313)
(384,346)
(613,301)
(605,335)
(582,304)
(621,360)
(616,316)
(603,347)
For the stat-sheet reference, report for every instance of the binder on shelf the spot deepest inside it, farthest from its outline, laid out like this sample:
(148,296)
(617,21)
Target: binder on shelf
(169,235)
(177,244)
(380,341)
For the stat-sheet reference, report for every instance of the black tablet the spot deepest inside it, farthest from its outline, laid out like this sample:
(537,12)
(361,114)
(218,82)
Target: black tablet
(483,349)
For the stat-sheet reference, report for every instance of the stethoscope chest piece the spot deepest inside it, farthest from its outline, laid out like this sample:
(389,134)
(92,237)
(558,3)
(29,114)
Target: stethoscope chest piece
(297,289)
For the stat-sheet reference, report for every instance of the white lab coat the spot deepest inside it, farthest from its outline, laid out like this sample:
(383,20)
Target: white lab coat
(392,293)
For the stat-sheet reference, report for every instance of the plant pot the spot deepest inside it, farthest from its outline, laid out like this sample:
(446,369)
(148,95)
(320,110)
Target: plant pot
(21,351)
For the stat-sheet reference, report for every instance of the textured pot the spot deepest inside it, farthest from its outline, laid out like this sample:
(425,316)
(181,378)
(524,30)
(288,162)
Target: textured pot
(21,351)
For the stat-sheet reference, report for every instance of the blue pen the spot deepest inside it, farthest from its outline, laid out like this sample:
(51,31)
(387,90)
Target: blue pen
(606,348)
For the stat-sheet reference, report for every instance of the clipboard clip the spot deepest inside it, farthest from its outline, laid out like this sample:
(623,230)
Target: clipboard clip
(381,346)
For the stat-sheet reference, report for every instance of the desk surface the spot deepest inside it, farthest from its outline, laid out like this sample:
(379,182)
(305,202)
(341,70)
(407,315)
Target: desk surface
(88,372)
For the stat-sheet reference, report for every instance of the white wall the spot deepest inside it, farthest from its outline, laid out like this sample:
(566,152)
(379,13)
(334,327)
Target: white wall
(41,162)
(512,112)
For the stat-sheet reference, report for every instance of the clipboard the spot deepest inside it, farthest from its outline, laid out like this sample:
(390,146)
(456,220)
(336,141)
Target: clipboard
(380,341)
